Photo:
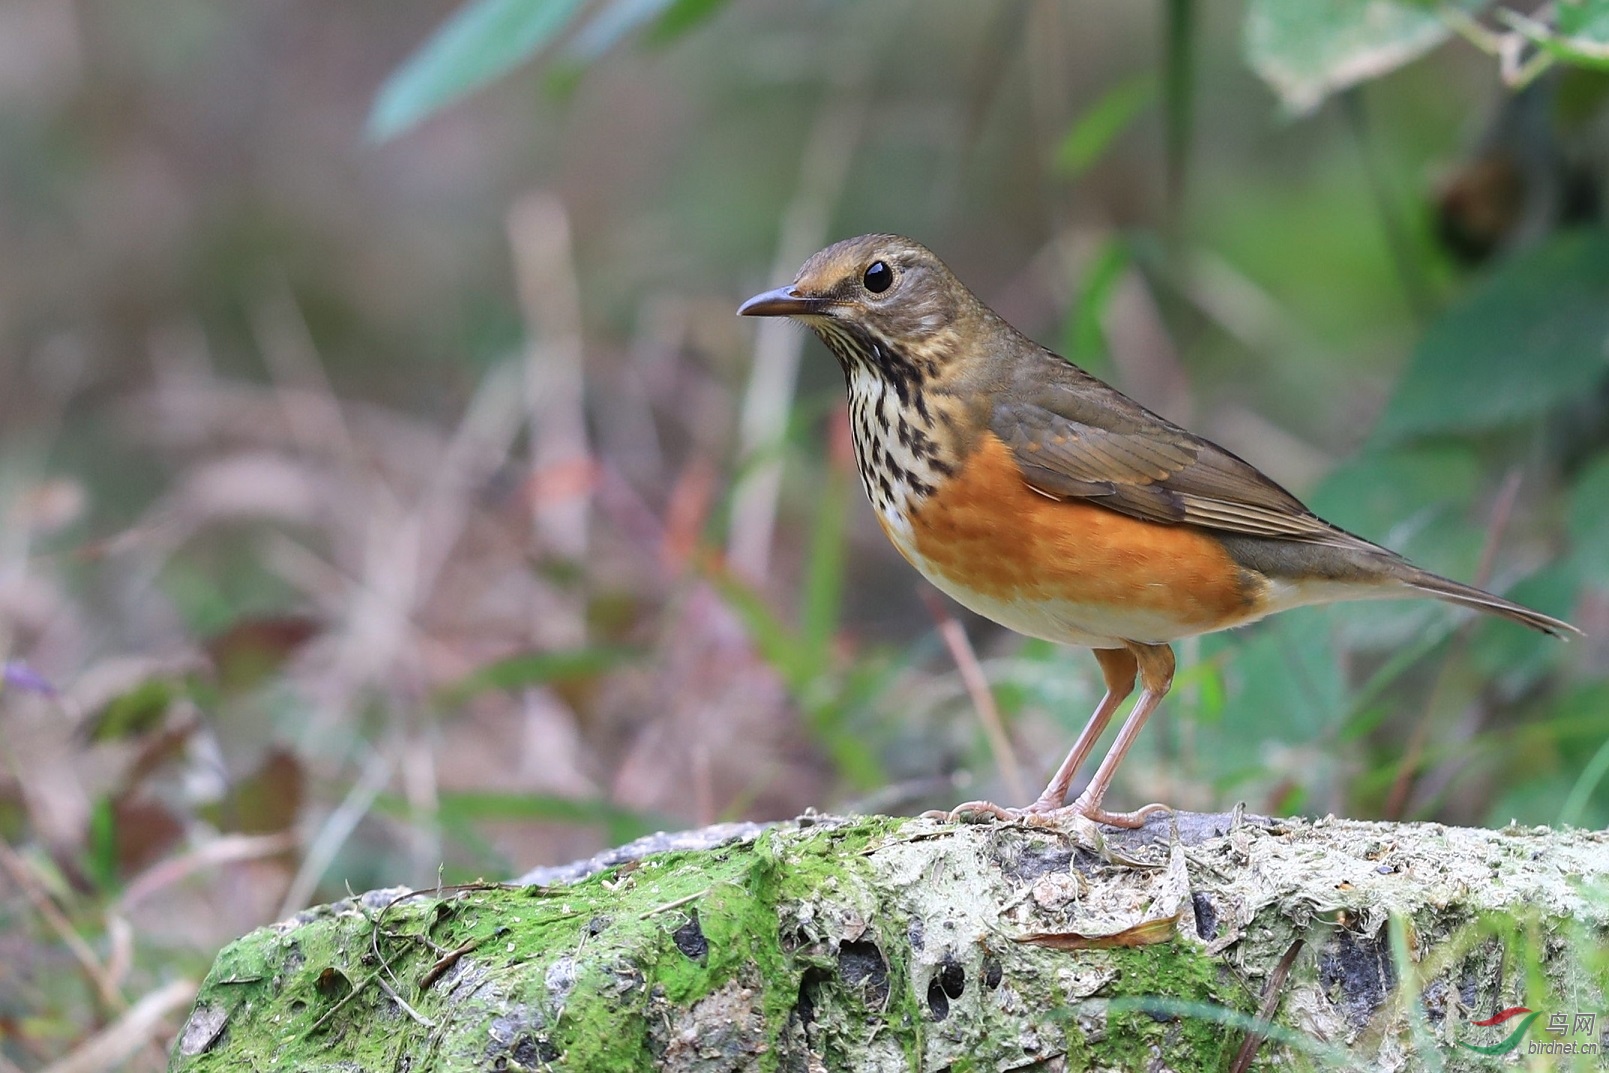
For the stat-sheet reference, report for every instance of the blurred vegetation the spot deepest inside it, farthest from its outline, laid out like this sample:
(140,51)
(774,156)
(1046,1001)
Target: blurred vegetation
(387,490)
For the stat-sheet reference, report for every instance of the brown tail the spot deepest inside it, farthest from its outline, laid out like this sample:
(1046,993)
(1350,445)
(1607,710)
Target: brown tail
(1469,596)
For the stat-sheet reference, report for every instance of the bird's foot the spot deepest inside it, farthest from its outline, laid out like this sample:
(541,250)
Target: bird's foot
(1044,813)
(1130,820)
(977,812)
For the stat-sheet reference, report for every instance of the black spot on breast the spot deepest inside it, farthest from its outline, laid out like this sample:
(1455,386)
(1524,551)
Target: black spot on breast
(923,445)
(902,387)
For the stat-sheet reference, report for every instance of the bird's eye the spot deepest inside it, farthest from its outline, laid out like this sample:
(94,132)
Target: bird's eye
(879,277)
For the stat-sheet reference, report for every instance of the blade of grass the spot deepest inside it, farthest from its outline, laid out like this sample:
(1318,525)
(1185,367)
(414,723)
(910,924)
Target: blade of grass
(778,643)
(680,17)
(137,1026)
(1084,337)
(1273,991)
(779,345)
(1413,1008)
(1585,785)
(24,877)
(606,28)
(561,456)
(977,687)
(1410,765)
(535,669)
(823,583)
(334,832)
(1415,287)
(461,808)
(478,42)
(1178,101)
(1158,1006)
(1102,122)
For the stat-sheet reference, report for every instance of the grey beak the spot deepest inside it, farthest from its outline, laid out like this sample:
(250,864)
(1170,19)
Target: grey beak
(782,302)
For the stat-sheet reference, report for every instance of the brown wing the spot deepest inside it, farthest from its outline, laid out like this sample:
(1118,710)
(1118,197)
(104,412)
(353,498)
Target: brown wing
(1076,438)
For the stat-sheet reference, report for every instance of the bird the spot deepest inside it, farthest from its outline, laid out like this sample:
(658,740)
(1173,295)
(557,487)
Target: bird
(1043,499)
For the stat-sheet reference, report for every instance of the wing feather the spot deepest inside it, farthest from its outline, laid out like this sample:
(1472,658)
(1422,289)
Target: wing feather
(1075,438)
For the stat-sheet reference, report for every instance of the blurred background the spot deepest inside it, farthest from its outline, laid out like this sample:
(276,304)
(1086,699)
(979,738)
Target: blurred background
(388,491)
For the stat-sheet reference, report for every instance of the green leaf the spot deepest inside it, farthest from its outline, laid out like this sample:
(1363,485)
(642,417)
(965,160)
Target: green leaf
(670,19)
(824,575)
(101,857)
(778,644)
(533,669)
(1589,521)
(462,808)
(1580,35)
(1587,19)
(1506,651)
(480,41)
(681,16)
(1375,492)
(462,813)
(1178,93)
(1414,501)
(1100,125)
(1309,49)
(1084,338)
(606,29)
(1283,679)
(1558,765)
(136,712)
(1583,792)
(1532,336)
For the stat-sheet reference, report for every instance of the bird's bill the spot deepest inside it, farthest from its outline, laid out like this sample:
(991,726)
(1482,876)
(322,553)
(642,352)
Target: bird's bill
(782,302)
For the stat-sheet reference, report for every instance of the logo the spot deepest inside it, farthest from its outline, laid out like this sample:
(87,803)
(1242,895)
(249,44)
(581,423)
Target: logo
(1581,1028)
(1512,1040)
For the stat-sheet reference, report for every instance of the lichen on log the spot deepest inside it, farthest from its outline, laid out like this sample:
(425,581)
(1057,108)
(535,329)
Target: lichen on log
(870,943)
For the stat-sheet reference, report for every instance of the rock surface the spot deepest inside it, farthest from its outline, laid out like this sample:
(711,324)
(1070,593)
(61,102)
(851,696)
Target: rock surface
(876,944)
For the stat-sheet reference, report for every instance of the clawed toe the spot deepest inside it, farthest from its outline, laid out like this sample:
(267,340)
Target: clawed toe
(1128,820)
(975,812)
(1043,814)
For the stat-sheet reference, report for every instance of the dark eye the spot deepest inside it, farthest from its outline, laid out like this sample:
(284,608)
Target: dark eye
(879,277)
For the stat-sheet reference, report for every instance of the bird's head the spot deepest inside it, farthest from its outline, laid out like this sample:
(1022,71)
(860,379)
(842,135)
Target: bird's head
(875,298)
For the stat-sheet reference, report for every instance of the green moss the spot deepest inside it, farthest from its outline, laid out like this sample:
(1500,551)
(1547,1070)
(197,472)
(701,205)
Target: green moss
(1181,976)
(591,976)
(311,994)
(716,949)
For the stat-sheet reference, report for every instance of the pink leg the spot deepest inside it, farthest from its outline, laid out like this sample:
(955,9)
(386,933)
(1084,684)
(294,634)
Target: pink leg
(1118,667)
(1156,676)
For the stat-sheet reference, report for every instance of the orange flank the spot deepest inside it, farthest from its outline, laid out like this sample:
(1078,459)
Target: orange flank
(986,532)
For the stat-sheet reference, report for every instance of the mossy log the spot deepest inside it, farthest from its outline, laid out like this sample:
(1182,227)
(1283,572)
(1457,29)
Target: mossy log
(1196,943)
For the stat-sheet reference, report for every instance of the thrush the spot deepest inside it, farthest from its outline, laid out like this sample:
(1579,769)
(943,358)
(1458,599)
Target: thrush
(1045,500)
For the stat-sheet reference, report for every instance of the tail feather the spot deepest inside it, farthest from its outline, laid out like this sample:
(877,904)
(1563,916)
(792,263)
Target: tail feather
(1468,596)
